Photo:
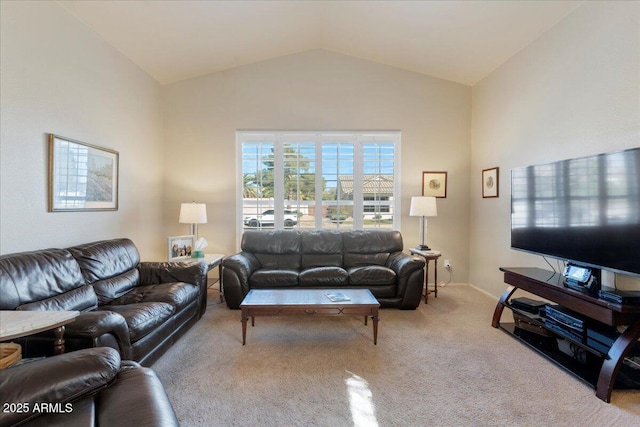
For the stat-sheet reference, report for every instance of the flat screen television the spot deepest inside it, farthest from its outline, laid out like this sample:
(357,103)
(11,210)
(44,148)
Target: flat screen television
(585,211)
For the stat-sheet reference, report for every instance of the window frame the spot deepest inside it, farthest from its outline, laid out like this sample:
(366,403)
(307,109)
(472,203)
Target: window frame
(318,138)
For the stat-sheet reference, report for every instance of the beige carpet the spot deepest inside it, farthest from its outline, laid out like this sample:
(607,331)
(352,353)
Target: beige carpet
(441,365)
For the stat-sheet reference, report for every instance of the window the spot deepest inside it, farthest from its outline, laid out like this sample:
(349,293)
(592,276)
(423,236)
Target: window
(318,180)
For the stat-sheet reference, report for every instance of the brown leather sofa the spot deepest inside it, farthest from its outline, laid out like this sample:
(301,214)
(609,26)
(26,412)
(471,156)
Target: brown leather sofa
(369,259)
(137,308)
(90,387)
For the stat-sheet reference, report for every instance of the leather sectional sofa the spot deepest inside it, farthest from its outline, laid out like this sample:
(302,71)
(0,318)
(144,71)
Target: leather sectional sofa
(137,308)
(371,259)
(90,387)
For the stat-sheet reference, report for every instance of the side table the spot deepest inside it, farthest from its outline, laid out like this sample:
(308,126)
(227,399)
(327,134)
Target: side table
(428,255)
(212,261)
(16,324)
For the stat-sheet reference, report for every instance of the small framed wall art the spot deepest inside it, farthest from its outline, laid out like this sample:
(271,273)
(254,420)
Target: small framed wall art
(180,248)
(82,177)
(490,182)
(434,184)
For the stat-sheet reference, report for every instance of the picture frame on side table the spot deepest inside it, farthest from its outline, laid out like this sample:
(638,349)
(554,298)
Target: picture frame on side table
(180,248)
(434,184)
(490,182)
(82,177)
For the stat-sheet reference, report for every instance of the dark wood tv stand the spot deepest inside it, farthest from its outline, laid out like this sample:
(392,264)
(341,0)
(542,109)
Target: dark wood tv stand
(602,372)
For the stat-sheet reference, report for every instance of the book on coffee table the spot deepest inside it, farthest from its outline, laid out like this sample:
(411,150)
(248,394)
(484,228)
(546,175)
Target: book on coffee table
(337,297)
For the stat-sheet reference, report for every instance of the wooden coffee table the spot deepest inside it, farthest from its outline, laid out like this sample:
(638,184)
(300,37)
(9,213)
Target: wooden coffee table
(283,302)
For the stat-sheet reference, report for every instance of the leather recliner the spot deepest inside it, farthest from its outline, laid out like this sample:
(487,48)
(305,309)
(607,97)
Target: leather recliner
(90,387)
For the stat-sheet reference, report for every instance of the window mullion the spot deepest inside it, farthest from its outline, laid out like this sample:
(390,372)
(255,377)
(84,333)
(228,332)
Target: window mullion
(358,180)
(318,140)
(278,183)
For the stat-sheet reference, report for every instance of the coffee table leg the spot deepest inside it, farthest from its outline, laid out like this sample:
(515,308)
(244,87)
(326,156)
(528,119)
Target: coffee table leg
(375,328)
(366,320)
(244,329)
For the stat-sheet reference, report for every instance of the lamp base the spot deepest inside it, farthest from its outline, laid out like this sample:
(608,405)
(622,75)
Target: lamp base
(423,248)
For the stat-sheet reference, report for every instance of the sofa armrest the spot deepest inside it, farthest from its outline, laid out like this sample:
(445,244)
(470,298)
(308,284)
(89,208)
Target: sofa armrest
(410,272)
(243,264)
(236,272)
(94,324)
(140,393)
(404,264)
(55,380)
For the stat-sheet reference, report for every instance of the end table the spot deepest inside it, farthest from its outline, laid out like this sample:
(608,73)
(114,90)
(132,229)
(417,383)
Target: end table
(428,255)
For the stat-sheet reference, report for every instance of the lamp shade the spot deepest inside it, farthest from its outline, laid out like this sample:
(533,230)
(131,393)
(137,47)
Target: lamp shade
(193,213)
(423,206)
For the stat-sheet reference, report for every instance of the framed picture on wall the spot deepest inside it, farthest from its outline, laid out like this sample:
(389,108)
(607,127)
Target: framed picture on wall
(490,182)
(82,177)
(434,184)
(180,248)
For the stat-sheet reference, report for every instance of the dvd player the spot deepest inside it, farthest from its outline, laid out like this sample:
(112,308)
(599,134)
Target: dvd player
(565,317)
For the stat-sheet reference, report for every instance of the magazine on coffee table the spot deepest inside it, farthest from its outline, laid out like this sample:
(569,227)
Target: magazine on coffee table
(337,297)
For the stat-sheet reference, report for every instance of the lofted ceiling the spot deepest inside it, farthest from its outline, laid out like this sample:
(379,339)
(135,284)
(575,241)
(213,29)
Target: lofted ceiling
(461,41)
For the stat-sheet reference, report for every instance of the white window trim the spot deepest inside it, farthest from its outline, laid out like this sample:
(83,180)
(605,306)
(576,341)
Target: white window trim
(357,137)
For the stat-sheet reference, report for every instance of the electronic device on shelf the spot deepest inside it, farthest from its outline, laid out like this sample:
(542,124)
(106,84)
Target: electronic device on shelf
(581,279)
(584,210)
(618,296)
(565,318)
(527,304)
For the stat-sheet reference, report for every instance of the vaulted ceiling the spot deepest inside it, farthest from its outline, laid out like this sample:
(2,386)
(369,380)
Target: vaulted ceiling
(461,41)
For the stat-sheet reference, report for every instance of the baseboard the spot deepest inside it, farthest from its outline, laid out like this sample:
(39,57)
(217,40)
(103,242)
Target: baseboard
(493,297)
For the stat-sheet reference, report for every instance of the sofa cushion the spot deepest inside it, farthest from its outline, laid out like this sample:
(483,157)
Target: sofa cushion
(142,318)
(271,242)
(279,249)
(33,276)
(105,259)
(321,248)
(367,247)
(279,261)
(80,299)
(178,294)
(267,278)
(371,275)
(324,276)
(114,287)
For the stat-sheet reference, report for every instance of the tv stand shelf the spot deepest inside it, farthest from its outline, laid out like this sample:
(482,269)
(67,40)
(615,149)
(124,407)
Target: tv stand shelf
(599,370)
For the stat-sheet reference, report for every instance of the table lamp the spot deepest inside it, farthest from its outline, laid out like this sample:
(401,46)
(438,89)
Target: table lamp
(423,206)
(193,213)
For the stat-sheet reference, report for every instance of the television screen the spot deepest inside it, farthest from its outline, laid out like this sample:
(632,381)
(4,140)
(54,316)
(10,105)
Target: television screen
(584,210)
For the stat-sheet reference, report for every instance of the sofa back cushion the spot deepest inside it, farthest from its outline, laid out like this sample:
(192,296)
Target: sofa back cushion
(110,266)
(82,299)
(279,249)
(321,248)
(367,247)
(30,277)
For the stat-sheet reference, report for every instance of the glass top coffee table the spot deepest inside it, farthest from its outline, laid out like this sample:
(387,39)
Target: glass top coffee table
(318,302)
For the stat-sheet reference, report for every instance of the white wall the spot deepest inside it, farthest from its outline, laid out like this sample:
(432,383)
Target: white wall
(59,77)
(575,91)
(318,90)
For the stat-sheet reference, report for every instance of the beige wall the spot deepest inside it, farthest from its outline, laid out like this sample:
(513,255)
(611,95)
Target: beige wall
(59,77)
(575,91)
(318,90)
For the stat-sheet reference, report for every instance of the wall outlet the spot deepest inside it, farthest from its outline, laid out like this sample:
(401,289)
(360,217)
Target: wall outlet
(447,263)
